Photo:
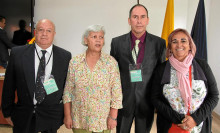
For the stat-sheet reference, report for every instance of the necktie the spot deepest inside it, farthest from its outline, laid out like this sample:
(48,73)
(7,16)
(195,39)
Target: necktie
(136,48)
(40,91)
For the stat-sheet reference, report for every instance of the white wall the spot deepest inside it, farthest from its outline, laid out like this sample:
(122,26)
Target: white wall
(71,18)
(213,36)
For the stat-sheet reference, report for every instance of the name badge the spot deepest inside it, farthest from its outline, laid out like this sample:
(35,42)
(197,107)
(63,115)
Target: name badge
(50,85)
(135,72)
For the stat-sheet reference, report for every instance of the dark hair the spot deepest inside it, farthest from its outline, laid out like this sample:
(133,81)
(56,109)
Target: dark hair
(1,18)
(191,43)
(22,24)
(136,6)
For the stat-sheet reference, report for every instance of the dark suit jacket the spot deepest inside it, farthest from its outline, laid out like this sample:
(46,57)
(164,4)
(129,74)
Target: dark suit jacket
(5,44)
(137,95)
(20,76)
(21,36)
(166,115)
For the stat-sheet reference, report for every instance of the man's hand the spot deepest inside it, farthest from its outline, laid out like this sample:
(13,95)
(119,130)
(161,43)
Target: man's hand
(9,121)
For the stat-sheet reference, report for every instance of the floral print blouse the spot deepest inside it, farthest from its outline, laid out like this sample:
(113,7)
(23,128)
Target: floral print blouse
(92,93)
(172,94)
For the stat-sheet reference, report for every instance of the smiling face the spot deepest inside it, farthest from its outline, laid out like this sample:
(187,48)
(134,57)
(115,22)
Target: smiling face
(138,21)
(95,41)
(45,32)
(180,46)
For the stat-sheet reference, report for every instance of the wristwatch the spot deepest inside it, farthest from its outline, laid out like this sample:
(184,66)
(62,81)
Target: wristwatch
(112,118)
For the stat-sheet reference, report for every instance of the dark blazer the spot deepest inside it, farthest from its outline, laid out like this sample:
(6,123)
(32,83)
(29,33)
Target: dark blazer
(20,37)
(137,95)
(166,115)
(5,44)
(20,76)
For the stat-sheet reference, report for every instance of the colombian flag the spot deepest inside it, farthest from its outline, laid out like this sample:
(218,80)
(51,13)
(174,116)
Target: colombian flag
(168,25)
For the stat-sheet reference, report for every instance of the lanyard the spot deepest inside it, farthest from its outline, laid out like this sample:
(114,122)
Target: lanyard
(39,56)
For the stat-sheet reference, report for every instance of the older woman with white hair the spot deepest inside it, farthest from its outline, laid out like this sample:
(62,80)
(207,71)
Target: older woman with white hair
(92,95)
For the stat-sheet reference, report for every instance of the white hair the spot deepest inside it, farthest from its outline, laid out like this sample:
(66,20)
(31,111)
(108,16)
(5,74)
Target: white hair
(92,28)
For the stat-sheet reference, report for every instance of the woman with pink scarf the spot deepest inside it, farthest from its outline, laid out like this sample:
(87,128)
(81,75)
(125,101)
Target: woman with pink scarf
(184,90)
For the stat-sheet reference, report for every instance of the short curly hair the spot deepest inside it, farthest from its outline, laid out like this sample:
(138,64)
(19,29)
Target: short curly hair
(92,28)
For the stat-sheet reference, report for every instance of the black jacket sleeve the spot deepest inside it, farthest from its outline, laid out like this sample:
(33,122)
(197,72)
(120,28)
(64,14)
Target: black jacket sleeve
(5,40)
(8,94)
(211,99)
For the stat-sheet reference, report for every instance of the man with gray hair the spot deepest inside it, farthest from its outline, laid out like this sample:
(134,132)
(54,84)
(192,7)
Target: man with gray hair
(38,73)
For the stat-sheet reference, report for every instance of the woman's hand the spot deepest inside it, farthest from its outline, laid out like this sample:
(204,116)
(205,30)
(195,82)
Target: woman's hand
(188,123)
(111,123)
(68,122)
(185,127)
(112,118)
(67,116)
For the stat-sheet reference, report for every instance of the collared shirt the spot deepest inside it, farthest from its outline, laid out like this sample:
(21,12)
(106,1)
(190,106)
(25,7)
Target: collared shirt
(92,93)
(1,28)
(141,46)
(48,57)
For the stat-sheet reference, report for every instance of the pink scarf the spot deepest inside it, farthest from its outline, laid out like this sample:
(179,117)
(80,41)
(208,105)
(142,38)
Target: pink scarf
(182,69)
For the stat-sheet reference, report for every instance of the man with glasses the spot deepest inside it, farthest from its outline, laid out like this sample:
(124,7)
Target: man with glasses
(38,73)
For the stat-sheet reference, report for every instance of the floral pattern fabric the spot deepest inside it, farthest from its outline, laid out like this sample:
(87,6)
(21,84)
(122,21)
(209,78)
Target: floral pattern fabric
(172,94)
(92,93)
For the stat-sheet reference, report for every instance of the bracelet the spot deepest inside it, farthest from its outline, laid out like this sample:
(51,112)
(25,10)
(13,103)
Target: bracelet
(115,119)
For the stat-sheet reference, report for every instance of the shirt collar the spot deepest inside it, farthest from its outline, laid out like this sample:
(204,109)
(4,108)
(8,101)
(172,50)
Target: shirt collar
(49,49)
(142,38)
(84,57)
(1,28)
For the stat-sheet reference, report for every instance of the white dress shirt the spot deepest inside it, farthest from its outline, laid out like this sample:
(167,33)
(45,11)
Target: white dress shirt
(48,67)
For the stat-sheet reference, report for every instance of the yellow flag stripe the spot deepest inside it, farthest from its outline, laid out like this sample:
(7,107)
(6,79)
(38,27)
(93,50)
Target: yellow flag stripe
(168,25)
(32,40)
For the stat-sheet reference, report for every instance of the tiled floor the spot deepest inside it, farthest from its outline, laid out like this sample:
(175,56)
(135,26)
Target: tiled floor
(215,128)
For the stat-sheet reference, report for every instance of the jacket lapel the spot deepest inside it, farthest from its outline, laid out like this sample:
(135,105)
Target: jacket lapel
(127,47)
(57,64)
(29,68)
(148,49)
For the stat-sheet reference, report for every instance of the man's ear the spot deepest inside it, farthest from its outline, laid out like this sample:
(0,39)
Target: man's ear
(129,21)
